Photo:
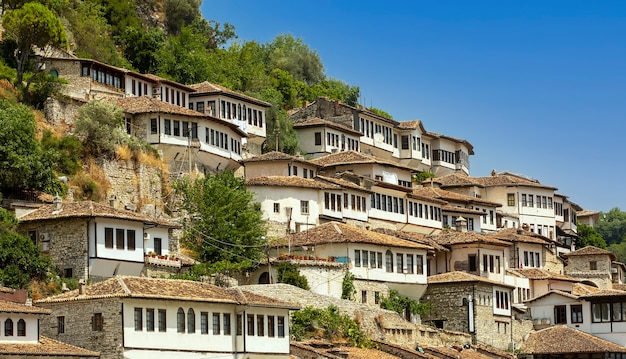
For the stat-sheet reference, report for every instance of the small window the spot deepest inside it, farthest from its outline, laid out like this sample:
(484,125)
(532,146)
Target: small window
(250,324)
(376,297)
(139,319)
(471,259)
(239,324)
(21,328)
(270,326)
(108,237)
(153,126)
(357,258)
(162,320)
(119,238)
(276,207)
(560,314)
(191,321)
(149,319)
(97,322)
(260,325)
(318,138)
(216,323)
(281,327)
(180,320)
(577,313)
(60,324)
(8,328)
(389,261)
(593,265)
(304,207)
(204,322)
(363,296)
(130,238)
(226,323)
(510,199)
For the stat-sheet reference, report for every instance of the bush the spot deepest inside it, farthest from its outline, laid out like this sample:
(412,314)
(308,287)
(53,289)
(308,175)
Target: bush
(289,273)
(327,324)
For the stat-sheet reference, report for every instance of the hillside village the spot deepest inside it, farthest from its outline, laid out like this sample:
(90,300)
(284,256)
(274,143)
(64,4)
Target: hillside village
(494,256)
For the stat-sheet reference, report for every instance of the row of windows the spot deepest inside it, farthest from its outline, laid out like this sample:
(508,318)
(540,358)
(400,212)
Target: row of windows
(103,77)
(9,331)
(369,128)
(367,259)
(187,130)
(560,314)
(608,312)
(304,207)
(356,203)
(200,107)
(425,150)
(332,201)
(306,173)
(230,110)
(542,201)
(532,259)
(491,216)
(174,97)
(445,156)
(502,300)
(491,263)
(124,238)
(425,211)
(220,139)
(387,203)
(400,267)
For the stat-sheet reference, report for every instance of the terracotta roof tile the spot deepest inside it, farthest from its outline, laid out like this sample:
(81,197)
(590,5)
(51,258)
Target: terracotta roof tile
(168,289)
(589,251)
(561,339)
(12,307)
(46,347)
(507,179)
(458,276)
(214,89)
(354,157)
(335,232)
(90,209)
(318,122)
(539,273)
(451,237)
(519,235)
(455,209)
(452,196)
(290,181)
(343,183)
(412,236)
(554,291)
(274,156)
(459,179)
(411,125)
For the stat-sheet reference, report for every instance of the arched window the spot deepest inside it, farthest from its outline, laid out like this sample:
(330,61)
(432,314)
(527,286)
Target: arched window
(180,320)
(21,328)
(389,261)
(191,321)
(264,278)
(8,328)
(54,73)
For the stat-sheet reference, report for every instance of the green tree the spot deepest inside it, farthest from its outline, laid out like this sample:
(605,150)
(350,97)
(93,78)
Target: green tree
(99,126)
(141,48)
(225,225)
(612,225)
(22,164)
(215,33)
(380,112)
(310,322)
(289,273)
(347,286)
(619,249)
(184,57)
(294,56)
(20,259)
(588,236)
(279,126)
(336,90)
(33,25)
(64,153)
(180,13)
(403,305)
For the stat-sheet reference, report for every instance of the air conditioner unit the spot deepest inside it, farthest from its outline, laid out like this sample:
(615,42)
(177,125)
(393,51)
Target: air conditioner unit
(45,246)
(44,237)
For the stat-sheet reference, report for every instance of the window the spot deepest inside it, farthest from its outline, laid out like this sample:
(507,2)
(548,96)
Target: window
(304,207)
(531,200)
(318,138)
(419,262)
(21,328)
(560,316)
(524,200)
(60,324)
(216,323)
(153,126)
(372,259)
(168,127)
(97,322)
(199,107)
(191,321)
(276,207)
(149,319)
(357,257)
(130,238)
(270,326)
(295,170)
(379,259)
(404,140)
(239,324)
(108,237)
(204,323)
(376,297)
(162,320)
(157,246)
(281,326)
(593,265)
(472,262)
(226,323)
(389,261)
(180,320)
(502,300)
(577,313)
(510,199)
(409,263)
(600,312)
(176,128)
(119,238)
(399,262)
(260,325)
(250,324)
(363,296)
(8,328)
(138,319)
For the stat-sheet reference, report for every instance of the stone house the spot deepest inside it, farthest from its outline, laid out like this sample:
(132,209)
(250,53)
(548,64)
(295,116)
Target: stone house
(472,304)
(248,113)
(20,338)
(319,137)
(564,342)
(132,317)
(592,265)
(378,261)
(187,139)
(89,240)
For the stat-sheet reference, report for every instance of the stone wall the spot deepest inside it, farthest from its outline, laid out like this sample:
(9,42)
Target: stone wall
(370,288)
(579,267)
(328,110)
(61,112)
(67,246)
(78,325)
(551,261)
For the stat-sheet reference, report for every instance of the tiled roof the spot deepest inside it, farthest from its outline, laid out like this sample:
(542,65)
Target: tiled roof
(458,276)
(586,212)
(12,307)
(519,235)
(354,157)
(455,209)
(334,232)
(451,237)
(90,209)
(343,183)
(411,125)
(584,289)
(289,181)
(458,140)
(556,292)
(590,251)
(274,156)
(46,347)
(167,289)
(457,179)
(561,339)
(215,89)
(509,180)
(539,273)
(318,122)
(147,104)
(452,196)
(412,236)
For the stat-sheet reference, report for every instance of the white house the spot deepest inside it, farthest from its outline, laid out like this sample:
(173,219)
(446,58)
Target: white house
(131,317)
(276,163)
(319,137)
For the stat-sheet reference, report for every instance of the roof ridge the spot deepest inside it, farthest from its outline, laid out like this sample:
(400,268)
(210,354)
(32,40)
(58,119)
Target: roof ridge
(121,282)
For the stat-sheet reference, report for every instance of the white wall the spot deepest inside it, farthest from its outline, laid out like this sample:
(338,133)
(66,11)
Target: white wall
(97,244)
(32,328)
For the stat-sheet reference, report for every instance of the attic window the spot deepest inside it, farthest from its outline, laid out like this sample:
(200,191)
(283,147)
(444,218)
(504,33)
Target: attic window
(97,322)
(593,265)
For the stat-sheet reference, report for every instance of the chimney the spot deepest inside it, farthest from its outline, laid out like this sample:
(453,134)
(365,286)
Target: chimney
(525,227)
(57,204)
(461,224)
(81,286)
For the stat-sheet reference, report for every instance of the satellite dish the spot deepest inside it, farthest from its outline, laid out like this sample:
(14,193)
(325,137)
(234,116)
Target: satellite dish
(379,137)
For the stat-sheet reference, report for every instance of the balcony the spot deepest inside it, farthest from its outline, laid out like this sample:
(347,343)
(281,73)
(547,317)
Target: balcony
(160,260)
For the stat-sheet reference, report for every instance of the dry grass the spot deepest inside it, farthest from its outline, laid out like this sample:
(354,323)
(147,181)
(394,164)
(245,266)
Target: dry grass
(123,153)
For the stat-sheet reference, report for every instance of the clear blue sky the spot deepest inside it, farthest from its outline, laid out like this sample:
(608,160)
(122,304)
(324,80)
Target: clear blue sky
(538,87)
